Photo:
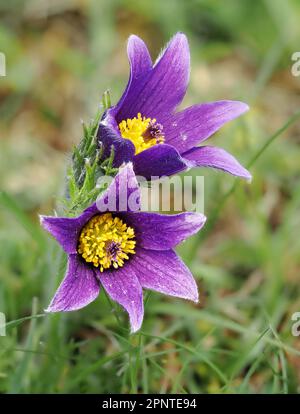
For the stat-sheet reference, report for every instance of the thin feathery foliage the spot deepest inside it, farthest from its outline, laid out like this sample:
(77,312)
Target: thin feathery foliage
(88,166)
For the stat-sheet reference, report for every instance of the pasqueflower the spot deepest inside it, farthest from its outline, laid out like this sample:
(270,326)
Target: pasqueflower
(124,250)
(144,127)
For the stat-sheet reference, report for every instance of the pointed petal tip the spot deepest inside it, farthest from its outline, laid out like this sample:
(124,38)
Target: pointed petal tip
(218,158)
(46,220)
(195,218)
(179,40)
(196,299)
(103,121)
(43,219)
(137,51)
(127,169)
(134,327)
(180,36)
(201,219)
(51,309)
(240,106)
(132,41)
(43,222)
(244,107)
(128,166)
(194,295)
(245,174)
(133,37)
(136,320)
(248,178)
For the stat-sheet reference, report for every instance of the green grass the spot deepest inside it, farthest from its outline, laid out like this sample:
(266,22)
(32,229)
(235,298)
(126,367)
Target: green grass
(246,261)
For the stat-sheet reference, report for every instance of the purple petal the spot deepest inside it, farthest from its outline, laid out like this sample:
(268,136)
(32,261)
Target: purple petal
(164,272)
(123,287)
(79,287)
(162,232)
(216,158)
(163,88)
(64,230)
(159,160)
(188,128)
(110,138)
(108,132)
(140,64)
(123,193)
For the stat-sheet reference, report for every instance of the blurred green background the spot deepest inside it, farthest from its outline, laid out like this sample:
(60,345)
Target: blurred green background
(61,55)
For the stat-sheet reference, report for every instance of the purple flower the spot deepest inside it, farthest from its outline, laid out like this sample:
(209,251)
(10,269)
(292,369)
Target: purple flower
(124,251)
(145,128)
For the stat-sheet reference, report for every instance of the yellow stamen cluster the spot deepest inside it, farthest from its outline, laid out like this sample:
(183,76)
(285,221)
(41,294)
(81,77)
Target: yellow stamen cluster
(106,241)
(135,129)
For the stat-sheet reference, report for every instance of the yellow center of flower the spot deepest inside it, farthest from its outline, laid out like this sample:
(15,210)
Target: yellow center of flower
(142,132)
(106,241)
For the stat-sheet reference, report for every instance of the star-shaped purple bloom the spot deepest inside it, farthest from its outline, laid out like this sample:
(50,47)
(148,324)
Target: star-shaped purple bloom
(154,92)
(154,264)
